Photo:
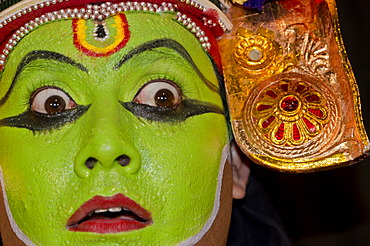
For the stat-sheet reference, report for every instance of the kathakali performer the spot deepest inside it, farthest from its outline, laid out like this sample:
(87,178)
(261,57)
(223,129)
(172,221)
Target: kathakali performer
(121,121)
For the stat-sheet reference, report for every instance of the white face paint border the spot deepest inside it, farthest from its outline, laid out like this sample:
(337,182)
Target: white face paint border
(216,205)
(13,224)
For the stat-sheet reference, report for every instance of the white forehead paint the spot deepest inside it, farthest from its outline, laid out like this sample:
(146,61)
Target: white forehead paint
(216,205)
(13,224)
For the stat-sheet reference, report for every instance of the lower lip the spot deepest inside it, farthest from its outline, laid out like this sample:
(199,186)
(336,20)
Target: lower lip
(109,226)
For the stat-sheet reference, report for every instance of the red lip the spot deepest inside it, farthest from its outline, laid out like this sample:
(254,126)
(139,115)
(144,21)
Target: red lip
(88,218)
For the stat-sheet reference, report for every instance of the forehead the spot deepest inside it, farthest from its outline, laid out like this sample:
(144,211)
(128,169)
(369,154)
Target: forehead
(120,35)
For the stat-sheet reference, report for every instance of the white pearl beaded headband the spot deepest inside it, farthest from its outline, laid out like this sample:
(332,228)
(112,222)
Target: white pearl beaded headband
(12,14)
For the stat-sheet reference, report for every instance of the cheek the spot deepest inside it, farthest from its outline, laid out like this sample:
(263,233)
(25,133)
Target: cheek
(35,178)
(194,145)
(185,161)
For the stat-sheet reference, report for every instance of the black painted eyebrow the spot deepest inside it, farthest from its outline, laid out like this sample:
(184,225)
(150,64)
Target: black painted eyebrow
(35,55)
(171,44)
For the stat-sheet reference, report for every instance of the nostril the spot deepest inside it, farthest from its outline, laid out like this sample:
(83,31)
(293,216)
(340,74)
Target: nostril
(90,163)
(123,160)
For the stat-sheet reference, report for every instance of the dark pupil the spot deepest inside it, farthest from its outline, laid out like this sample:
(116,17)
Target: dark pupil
(164,98)
(55,104)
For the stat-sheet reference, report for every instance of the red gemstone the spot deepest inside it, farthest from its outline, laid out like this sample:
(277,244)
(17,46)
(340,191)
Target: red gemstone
(280,132)
(271,94)
(284,87)
(289,104)
(311,127)
(263,107)
(300,88)
(317,112)
(313,98)
(296,134)
(268,122)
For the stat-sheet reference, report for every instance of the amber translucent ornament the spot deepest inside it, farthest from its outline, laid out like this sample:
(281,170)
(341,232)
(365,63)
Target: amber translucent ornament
(293,99)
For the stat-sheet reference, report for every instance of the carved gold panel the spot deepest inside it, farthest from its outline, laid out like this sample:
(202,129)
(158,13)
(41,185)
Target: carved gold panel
(293,98)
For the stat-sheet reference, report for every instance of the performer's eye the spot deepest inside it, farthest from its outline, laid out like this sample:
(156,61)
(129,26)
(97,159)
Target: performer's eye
(162,100)
(51,100)
(160,94)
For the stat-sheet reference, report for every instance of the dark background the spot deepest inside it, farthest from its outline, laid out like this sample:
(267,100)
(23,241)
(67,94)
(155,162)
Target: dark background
(331,207)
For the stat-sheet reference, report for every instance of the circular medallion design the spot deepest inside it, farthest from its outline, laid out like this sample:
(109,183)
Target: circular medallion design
(255,52)
(290,115)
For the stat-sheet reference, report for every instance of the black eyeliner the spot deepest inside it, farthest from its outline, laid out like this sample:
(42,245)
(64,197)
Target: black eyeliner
(179,113)
(41,122)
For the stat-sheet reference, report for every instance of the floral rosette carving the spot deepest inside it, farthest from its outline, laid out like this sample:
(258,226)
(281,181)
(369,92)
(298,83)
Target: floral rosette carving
(256,52)
(259,54)
(289,113)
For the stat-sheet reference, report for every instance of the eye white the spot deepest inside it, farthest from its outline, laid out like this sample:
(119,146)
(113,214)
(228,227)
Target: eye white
(40,99)
(148,93)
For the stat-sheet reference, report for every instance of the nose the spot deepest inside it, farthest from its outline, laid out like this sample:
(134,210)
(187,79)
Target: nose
(107,146)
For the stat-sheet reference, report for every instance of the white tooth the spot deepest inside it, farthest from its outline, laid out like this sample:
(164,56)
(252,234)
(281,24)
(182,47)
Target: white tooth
(115,209)
(102,210)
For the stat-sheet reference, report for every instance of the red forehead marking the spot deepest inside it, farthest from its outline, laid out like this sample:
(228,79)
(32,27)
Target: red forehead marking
(101,38)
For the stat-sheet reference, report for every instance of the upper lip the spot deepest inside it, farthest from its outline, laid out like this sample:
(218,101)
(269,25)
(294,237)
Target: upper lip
(136,216)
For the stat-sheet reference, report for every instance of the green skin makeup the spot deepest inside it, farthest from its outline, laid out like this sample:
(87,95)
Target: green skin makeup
(175,153)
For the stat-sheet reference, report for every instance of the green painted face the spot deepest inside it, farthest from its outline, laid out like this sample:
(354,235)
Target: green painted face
(142,124)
